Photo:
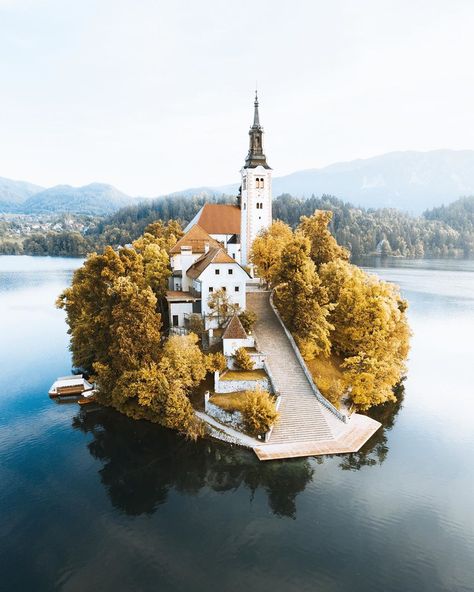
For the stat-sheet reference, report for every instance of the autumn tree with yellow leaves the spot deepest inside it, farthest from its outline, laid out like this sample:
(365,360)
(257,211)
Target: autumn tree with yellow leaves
(113,312)
(301,299)
(332,306)
(267,249)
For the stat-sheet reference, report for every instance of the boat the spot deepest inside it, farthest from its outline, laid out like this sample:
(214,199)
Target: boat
(87,397)
(70,386)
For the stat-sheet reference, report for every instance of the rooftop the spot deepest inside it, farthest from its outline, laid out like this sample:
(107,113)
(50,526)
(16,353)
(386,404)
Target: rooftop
(179,296)
(214,255)
(196,239)
(219,219)
(234,329)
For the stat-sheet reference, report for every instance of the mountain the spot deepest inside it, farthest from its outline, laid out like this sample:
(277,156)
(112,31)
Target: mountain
(15,192)
(96,199)
(410,181)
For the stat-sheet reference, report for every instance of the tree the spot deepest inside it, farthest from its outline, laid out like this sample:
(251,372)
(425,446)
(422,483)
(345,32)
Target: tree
(248,318)
(160,398)
(183,360)
(258,411)
(267,248)
(115,328)
(243,359)
(216,362)
(166,235)
(371,331)
(302,300)
(222,308)
(324,247)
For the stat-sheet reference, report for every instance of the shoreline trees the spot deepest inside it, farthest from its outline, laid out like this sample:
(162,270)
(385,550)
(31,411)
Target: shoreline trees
(114,314)
(332,306)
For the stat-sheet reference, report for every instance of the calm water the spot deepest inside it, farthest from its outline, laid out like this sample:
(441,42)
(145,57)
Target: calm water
(94,501)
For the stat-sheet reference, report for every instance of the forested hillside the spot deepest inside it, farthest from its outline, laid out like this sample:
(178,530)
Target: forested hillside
(447,231)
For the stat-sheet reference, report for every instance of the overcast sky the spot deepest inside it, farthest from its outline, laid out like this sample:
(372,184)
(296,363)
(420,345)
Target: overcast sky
(154,96)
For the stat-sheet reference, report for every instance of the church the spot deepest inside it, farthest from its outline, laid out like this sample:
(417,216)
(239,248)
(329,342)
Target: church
(214,252)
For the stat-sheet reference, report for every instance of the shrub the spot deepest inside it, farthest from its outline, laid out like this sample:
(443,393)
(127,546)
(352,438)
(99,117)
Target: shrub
(196,324)
(248,319)
(217,362)
(243,360)
(332,389)
(258,411)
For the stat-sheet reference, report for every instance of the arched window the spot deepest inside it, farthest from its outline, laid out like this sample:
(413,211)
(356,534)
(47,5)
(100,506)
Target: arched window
(261,183)
(257,183)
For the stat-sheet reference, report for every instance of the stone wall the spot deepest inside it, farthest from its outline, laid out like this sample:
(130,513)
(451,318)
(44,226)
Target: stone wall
(232,386)
(257,358)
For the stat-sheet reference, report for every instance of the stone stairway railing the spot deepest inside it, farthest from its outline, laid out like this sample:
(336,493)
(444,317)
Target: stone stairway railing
(307,373)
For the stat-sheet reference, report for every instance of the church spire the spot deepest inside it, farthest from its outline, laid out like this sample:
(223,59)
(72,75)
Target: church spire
(255,155)
(256,119)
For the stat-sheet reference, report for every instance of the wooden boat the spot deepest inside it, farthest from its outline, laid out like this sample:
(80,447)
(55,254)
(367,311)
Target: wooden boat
(70,386)
(87,397)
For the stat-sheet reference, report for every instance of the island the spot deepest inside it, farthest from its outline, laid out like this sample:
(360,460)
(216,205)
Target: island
(240,327)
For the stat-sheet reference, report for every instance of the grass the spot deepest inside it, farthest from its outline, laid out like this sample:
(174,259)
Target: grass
(229,401)
(327,375)
(244,375)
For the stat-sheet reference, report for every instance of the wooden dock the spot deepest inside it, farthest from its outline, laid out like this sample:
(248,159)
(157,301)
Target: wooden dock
(359,430)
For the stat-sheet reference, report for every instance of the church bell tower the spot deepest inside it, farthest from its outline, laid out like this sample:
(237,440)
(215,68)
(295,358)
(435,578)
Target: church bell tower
(256,189)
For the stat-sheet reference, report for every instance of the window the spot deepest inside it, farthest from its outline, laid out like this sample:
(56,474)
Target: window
(217,271)
(237,289)
(211,289)
(257,183)
(233,255)
(261,183)
(231,271)
(175,320)
(245,206)
(224,289)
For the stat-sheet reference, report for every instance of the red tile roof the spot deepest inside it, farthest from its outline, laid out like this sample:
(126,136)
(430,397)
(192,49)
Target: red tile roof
(214,255)
(196,238)
(234,329)
(220,219)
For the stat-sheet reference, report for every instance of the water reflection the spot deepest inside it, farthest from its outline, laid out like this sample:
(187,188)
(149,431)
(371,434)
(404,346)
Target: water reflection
(142,463)
(375,451)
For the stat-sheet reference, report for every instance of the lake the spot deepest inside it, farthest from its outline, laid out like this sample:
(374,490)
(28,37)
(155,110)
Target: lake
(90,500)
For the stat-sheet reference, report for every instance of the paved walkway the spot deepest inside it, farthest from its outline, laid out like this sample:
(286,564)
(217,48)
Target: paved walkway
(305,427)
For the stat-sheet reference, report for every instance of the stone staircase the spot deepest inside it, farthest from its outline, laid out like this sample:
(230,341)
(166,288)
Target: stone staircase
(302,417)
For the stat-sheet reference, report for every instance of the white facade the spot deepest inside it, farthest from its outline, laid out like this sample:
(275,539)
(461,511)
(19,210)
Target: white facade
(216,276)
(230,346)
(256,206)
(178,311)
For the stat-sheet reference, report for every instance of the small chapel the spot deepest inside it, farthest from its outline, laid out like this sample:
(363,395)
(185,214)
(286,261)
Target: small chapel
(214,252)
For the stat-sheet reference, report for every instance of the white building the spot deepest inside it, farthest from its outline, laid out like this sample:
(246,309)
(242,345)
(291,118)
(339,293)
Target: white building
(235,337)
(256,190)
(218,239)
(236,226)
(195,276)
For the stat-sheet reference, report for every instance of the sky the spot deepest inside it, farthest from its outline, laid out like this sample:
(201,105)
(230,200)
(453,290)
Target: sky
(154,96)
